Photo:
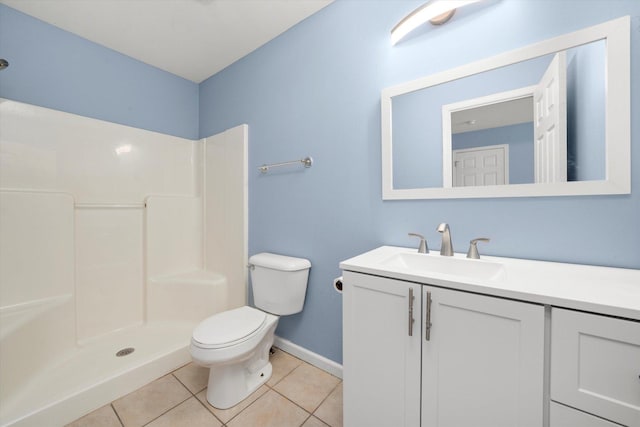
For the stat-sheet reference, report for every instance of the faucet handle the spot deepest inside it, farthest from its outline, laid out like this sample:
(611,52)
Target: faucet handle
(423,249)
(473,247)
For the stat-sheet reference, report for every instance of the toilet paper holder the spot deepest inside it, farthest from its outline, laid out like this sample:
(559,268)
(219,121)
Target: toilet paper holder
(337,284)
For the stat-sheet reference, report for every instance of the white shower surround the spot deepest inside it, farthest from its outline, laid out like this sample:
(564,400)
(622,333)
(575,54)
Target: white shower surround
(102,248)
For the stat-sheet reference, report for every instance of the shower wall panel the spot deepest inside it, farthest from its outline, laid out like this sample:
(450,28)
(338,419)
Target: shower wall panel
(226,208)
(95,161)
(36,246)
(174,235)
(36,285)
(109,276)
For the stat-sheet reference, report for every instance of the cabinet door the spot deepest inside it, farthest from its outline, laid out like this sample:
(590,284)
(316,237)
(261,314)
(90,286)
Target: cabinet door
(483,365)
(563,416)
(595,365)
(381,365)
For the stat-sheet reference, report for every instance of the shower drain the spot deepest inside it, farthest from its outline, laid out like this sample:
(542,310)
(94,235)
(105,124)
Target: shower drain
(125,351)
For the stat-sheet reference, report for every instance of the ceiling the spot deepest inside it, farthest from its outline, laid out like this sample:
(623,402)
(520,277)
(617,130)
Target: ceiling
(498,114)
(193,39)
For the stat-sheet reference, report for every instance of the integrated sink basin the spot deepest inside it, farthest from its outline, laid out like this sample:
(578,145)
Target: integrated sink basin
(455,266)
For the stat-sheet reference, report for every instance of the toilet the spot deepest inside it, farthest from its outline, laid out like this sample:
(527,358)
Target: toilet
(235,344)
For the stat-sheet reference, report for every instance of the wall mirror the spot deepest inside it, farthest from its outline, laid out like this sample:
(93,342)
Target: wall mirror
(549,119)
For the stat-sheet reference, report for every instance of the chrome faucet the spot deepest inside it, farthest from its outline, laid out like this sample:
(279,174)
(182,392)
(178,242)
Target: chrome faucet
(422,249)
(446,248)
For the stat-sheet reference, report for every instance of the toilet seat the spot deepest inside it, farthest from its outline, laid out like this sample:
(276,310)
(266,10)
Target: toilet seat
(228,328)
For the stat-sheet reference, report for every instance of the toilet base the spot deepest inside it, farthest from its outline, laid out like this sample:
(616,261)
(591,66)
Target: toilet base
(231,383)
(225,391)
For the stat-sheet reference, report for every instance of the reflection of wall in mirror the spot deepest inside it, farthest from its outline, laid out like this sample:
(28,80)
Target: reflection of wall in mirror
(417,149)
(586,112)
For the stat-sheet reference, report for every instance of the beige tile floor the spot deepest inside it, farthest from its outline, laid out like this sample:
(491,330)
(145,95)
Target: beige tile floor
(297,394)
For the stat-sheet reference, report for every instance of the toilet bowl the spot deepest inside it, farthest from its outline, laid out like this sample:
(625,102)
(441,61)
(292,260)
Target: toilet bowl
(235,344)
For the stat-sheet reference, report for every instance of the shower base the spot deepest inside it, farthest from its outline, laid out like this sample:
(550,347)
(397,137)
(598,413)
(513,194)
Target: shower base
(92,375)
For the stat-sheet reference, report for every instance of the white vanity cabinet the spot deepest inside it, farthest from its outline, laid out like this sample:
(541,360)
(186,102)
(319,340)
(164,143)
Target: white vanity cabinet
(595,367)
(494,342)
(481,364)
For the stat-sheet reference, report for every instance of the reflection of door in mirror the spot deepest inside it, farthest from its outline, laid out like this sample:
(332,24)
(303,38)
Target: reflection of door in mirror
(550,122)
(501,119)
(481,166)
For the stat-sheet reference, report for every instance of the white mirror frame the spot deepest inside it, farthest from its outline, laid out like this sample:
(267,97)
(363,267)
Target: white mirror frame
(617,121)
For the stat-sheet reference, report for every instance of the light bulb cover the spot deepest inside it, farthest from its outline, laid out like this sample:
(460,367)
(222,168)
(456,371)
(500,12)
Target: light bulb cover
(424,13)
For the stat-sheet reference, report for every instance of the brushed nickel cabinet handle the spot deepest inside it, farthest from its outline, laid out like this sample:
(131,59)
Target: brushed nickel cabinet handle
(411,320)
(427,326)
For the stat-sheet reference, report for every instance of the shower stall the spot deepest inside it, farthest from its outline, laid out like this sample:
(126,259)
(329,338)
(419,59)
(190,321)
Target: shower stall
(114,243)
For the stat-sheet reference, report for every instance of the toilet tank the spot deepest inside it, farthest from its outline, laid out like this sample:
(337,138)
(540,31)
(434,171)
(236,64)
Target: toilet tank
(279,282)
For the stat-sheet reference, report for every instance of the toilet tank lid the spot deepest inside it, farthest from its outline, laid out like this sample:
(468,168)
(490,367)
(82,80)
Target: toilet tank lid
(279,262)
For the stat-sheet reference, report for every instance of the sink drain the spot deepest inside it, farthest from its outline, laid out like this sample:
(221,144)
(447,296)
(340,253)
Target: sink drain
(125,351)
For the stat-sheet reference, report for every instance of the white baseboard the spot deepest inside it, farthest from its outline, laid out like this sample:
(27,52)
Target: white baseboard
(308,356)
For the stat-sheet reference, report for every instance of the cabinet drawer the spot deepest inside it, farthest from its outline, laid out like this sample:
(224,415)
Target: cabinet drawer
(563,416)
(595,365)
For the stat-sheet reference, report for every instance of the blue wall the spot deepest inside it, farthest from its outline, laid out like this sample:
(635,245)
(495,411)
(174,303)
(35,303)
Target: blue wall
(53,68)
(315,90)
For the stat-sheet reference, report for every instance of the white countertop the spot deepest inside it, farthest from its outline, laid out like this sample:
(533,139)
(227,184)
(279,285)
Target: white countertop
(604,290)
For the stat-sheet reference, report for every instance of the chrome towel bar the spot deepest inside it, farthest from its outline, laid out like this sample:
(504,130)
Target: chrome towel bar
(307,162)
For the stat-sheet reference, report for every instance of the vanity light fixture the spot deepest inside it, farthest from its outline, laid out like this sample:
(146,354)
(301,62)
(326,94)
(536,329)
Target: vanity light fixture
(435,11)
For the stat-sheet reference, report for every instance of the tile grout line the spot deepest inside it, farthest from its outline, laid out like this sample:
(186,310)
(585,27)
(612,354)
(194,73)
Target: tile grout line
(247,407)
(168,410)
(113,408)
(222,424)
(305,420)
(324,400)
(288,373)
(184,385)
(304,409)
(283,378)
(174,406)
(193,394)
